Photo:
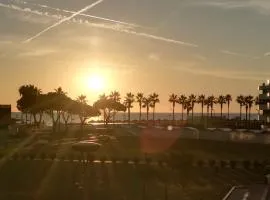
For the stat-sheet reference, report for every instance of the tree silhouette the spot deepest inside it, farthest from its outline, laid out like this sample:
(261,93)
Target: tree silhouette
(221,101)
(228,101)
(192,99)
(129,100)
(83,110)
(249,101)
(201,100)
(109,107)
(139,99)
(240,100)
(182,100)
(188,106)
(173,99)
(146,104)
(207,104)
(154,100)
(29,95)
(212,100)
(115,95)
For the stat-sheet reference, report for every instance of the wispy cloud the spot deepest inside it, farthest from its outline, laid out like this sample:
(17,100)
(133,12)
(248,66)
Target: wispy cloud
(114,27)
(267,54)
(154,57)
(261,6)
(237,54)
(63,20)
(196,69)
(37,53)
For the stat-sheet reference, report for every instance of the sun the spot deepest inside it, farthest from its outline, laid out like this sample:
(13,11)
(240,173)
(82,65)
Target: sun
(95,82)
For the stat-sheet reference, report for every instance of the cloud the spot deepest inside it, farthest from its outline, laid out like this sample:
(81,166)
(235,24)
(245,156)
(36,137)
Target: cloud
(37,53)
(114,27)
(153,57)
(62,21)
(81,14)
(261,6)
(200,57)
(267,54)
(197,69)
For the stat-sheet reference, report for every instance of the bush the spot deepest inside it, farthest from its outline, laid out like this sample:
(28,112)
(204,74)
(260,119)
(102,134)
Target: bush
(246,164)
(200,163)
(32,156)
(148,160)
(103,159)
(136,160)
(43,156)
(15,156)
(233,164)
(212,163)
(223,164)
(257,164)
(52,156)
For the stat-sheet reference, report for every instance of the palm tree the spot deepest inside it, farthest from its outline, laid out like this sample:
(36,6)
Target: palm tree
(129,99)
(188,106)
(192,99)
(207,104)
(249,101)
(221,100)
(146,104)
(240,100)
(201,99)
(228,101)
(139,99)
(173,99)
(116,97)
(154,100)
(82,99)
(181,100)
(212,101)
(60,95)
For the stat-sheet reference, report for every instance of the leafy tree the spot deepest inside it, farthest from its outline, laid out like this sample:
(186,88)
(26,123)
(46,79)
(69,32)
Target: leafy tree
(83,110)
(173,99)
(109,107)
(154,100)
(129,100)
(228,101)
(182,100)
(201,100)
(139,99)
(221,101)
(28,99)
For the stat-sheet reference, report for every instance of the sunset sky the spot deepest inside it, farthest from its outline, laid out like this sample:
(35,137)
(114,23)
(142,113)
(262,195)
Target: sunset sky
(164,46)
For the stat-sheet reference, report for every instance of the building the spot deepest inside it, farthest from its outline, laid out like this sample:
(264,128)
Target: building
(264,102)
(5,116)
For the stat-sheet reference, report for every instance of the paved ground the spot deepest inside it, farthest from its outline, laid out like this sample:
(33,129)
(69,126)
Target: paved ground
(253,192)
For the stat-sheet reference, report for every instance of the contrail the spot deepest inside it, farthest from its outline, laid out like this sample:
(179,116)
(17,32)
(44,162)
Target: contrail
(63,20)
(116,28)
(81,14)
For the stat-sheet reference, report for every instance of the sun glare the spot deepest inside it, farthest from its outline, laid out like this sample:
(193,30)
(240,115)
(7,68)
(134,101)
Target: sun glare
(95,82)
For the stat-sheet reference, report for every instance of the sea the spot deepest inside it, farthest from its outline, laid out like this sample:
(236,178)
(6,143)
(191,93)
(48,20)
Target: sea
(133,116)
